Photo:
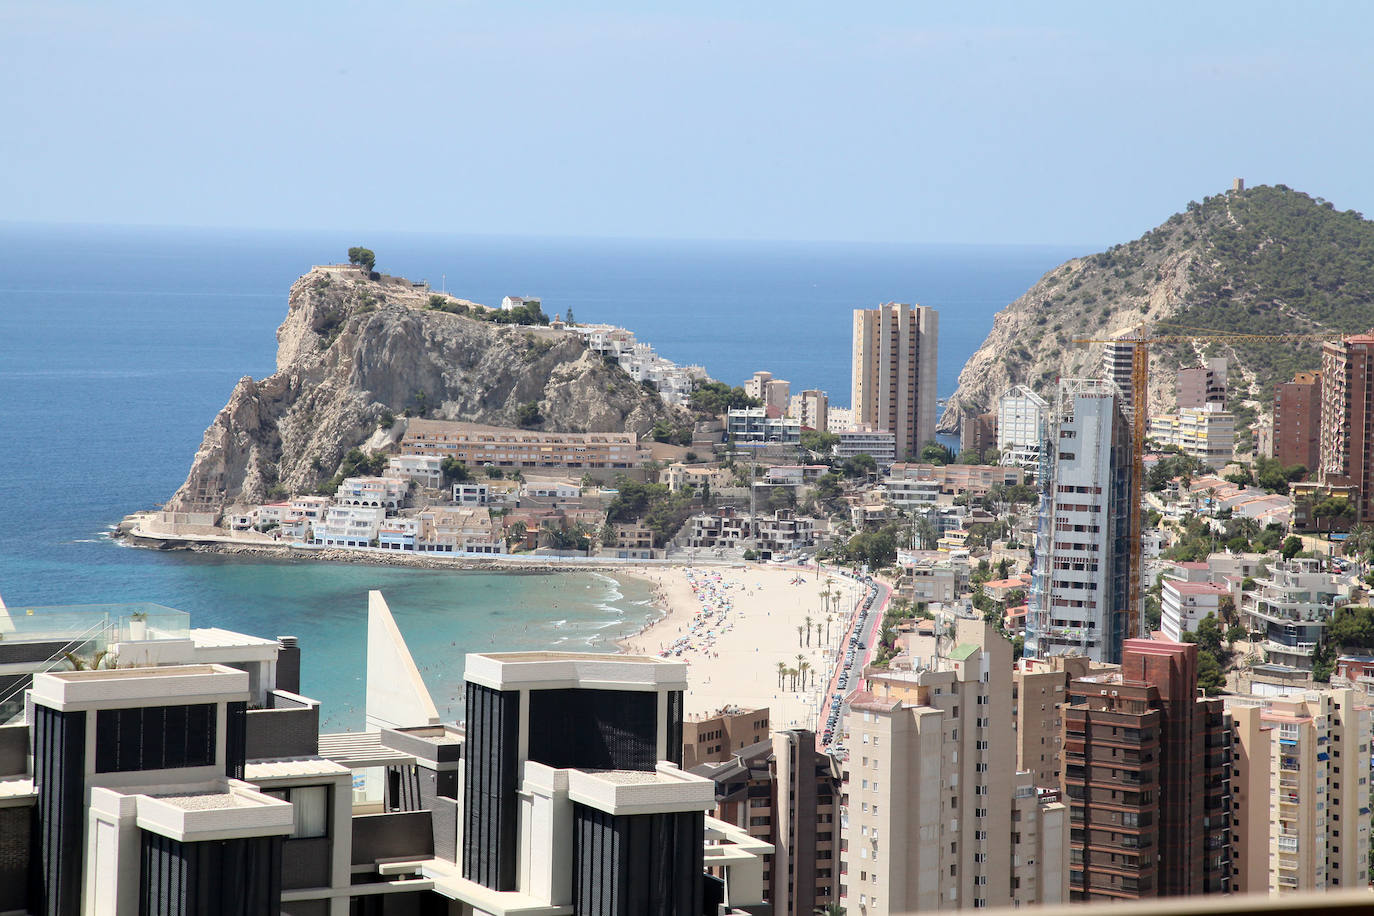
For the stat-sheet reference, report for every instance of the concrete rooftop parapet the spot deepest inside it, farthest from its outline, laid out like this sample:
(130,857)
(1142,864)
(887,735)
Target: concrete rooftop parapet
(623,792)
(223,810)
(118,688)
(562,670)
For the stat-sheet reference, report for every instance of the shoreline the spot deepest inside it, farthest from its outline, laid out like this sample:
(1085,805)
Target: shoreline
(493,562)
(671,608)
(732,623)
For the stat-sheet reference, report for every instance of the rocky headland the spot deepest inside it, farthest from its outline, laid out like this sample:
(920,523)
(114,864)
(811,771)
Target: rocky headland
(358,353)
(1267,260)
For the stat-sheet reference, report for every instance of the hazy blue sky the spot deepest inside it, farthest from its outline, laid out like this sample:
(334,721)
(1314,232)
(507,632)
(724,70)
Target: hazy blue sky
(961,122)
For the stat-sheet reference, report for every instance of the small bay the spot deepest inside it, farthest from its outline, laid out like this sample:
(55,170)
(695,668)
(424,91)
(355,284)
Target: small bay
(118,346)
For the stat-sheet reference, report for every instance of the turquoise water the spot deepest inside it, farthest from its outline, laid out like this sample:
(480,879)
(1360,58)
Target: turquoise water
(118,347)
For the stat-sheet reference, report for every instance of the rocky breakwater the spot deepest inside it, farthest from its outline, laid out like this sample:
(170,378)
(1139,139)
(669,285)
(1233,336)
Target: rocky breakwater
(354,355)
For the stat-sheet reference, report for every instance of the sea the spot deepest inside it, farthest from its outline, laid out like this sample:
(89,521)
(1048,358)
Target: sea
(119,345)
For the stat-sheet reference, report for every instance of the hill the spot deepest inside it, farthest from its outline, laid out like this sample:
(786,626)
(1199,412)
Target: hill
(1264,260)
(356,355)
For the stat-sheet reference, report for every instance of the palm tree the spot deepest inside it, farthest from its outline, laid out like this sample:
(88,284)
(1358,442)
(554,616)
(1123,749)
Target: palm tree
(804,667)
(103,658)
(799,634)
(808,629)
(782,673)
(801,668)
(792,673)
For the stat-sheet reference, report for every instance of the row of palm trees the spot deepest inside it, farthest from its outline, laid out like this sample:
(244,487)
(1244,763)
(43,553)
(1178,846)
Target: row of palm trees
(800,672)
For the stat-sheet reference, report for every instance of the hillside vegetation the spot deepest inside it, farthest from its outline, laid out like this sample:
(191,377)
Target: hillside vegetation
(1267,260)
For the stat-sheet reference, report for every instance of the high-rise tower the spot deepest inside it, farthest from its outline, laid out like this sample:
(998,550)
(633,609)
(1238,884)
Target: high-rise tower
(1080,592)
(894,372)
(1346,456)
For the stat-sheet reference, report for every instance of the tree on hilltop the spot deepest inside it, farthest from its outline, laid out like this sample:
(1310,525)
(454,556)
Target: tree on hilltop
(363,257)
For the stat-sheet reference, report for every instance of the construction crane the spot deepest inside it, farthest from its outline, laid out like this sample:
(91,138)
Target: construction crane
(1140,403)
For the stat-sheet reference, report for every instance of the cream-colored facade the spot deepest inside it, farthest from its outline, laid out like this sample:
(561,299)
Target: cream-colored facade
(894,372)
(477,445)
(1301,791)
(812,407)
(1039,844)
(931,787)
(1205,433)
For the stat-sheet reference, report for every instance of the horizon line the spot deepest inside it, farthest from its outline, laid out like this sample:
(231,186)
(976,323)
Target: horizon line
(10,224)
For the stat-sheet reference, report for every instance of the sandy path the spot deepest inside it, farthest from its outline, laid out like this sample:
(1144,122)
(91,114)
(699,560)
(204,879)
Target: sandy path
(734,650)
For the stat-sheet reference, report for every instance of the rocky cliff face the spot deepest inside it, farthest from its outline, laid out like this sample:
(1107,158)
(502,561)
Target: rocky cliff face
(1031,341)
(1268,260)
(352,349)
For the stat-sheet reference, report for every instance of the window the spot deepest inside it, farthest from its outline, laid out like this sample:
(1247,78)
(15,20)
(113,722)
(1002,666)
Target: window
(155,738)
(311,808)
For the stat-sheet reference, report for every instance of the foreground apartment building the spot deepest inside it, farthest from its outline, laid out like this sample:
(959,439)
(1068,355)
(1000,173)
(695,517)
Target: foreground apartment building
(190,785)
(1301,786)
(783,792)
(1147,770)
(935,815)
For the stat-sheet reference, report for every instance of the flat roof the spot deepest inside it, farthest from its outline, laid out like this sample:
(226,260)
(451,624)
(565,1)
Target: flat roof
(288,768)
(115,687)
(562,670)
(217,638)
(203,801)
(356,750)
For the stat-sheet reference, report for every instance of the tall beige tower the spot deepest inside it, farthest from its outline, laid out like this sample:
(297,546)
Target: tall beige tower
(894,372)
(937,817)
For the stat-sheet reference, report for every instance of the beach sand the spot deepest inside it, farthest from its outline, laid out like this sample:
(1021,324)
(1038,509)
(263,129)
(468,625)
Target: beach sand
(734,650)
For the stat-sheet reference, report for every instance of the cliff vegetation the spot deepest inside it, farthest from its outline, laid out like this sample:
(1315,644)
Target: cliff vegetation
(1267,260)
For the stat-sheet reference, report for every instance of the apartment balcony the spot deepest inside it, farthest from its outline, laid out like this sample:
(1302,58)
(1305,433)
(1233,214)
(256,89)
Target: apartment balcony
(1222,801)
(1217,739)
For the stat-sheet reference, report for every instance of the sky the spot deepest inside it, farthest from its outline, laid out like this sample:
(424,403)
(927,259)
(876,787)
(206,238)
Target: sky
(914,121)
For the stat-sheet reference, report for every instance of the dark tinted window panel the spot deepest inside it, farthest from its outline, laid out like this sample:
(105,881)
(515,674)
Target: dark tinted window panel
(174,739)
(489,787)
(675,727)
(637,865)
(240,877)
(236,741)
(594,729)
(59,763)
(129,741)
(155,738)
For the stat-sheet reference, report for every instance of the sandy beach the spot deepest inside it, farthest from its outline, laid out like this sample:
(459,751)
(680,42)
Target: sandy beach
(734,625)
